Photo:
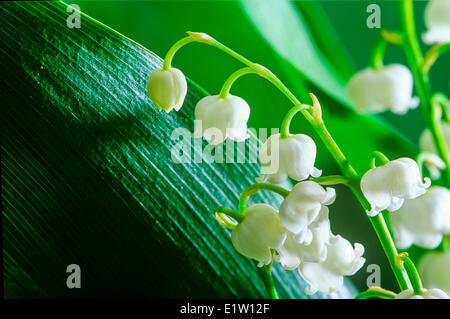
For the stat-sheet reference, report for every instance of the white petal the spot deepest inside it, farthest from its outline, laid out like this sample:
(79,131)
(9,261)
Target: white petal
(223,118)
(433,270)
(293,156)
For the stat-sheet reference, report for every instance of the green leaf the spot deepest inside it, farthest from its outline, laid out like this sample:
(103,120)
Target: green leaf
(88,177)
(305,68)
(289,36)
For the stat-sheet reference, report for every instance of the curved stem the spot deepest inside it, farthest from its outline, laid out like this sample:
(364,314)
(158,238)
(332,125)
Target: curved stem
(415,59)
(232,78)
(229,212)
(376,292)
(253,189)
(440,100)
(178,45)
(432,159)
(412,273)
(432,55)
(284,131)
(377,56)
(380,156)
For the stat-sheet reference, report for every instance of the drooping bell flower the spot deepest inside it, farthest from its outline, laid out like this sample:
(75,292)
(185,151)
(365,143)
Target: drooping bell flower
(387,89)
(167,89)
(427,294)
(292,253)
(437,20)
(341,260)
(434,270)
(292,156)
(258,233)
(219,118)
(302,207)
(387,186)
(424,220)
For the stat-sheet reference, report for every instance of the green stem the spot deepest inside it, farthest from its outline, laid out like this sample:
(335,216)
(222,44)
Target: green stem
(284,131)
(178,45)
(229,212)
(253,189)
(377,56)
(380,156)
(332,180)
(440,100)
(266,273)
(432,55)
(415,59)
(376,292)
(232,78)
(412,273)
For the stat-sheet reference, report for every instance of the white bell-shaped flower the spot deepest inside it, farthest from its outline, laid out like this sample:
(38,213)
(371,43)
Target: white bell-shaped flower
(292,253)
(220,118)
(434,270)
(260,231)
(302,207)
(437,20)
(387,186)
(427,294)
(389,88)
(293,156)
(167,89)
(341,260)
(423,220)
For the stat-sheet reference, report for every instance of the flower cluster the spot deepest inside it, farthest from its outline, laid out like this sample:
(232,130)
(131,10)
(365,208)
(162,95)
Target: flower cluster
(298,235)
(301,236)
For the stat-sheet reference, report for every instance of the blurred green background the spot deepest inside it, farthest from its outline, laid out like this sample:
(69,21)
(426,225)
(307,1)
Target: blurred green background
(273,37)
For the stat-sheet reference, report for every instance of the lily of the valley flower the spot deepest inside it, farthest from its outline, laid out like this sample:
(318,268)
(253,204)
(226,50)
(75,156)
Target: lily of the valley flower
(301,208)
(423,220)
(427,294)
(260,231)
(342,260)
(167,89)
(389,88)
(292,253)
(221,118)
(434,270)
(292,156)
(437,20)
(387,186)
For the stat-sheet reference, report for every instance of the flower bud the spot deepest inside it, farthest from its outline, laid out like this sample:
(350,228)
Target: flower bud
(437,20)
(341,260)
(302,207)
(427,294)
(293,156)
(423,220)
(434,270)
(260,231)
(389,88)
(167,89)
(220,118)
(387,186)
